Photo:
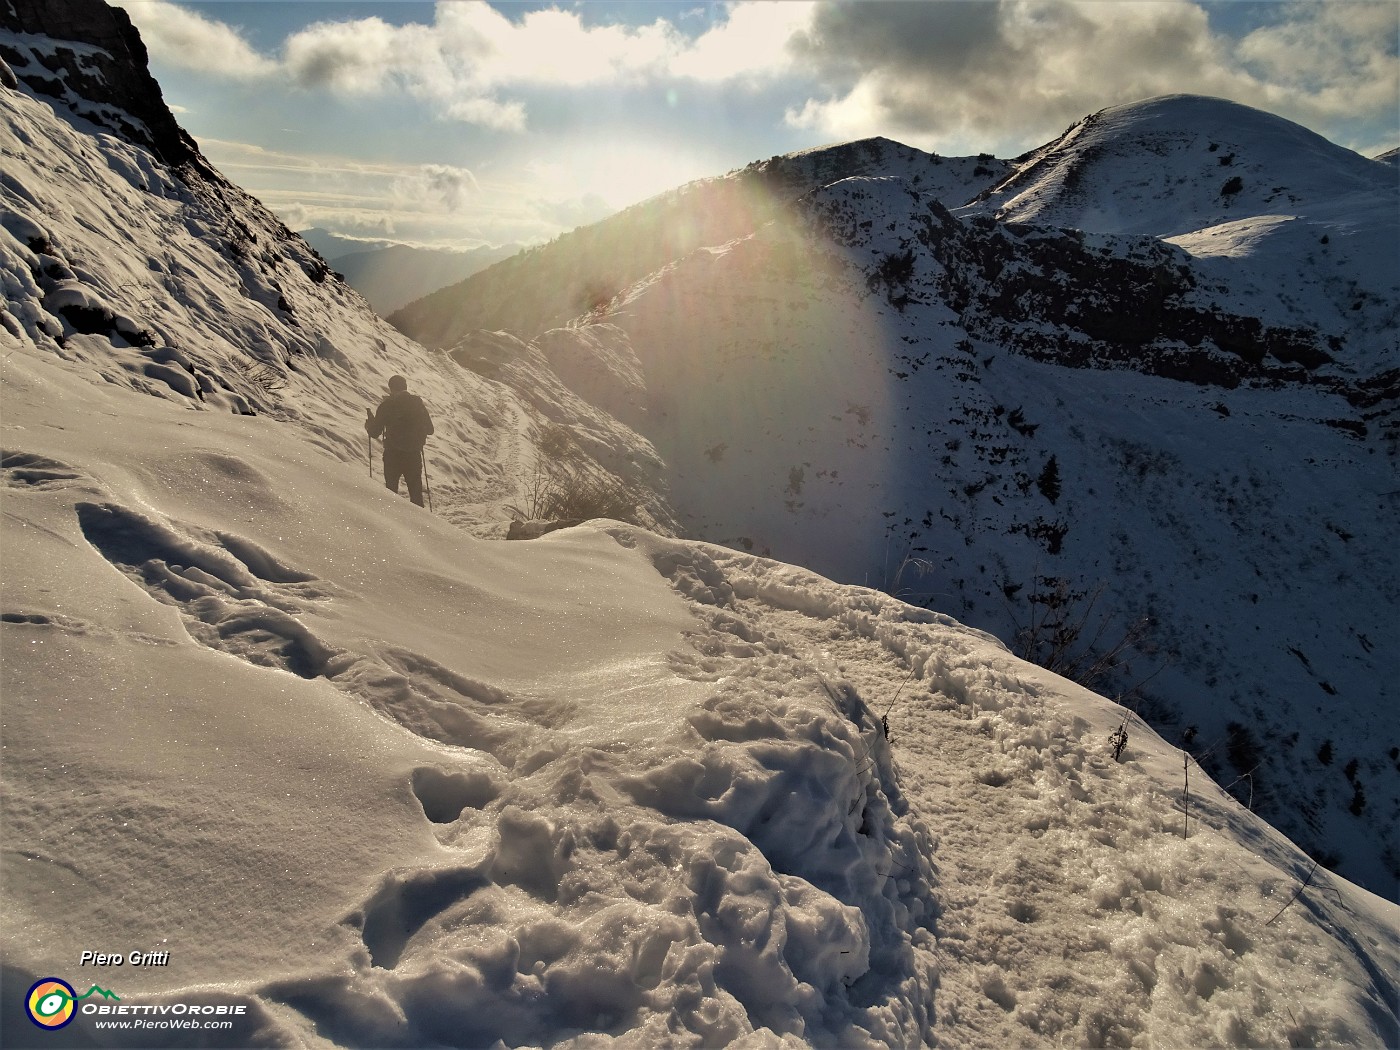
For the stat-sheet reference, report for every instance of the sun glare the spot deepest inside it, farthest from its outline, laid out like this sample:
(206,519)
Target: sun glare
(623,173)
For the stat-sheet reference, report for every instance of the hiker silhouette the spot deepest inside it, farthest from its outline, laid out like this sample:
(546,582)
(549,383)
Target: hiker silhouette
(404,421)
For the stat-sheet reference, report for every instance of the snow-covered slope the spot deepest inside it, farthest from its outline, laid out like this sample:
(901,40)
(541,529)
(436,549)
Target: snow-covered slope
(360,778)
(1290,227)
(1176,164)
(1191,432)
(379,783)
(173,282)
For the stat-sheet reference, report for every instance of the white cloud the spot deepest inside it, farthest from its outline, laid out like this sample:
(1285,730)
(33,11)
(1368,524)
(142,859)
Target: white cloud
(554,47)
(256,162)
(187,40)
(488,113)
(340,182)
(1339,59)
(436,187)
(985,74)
(429,204)
(470,53)
(1009,74)
(296,216)
(346,56)
(753,41)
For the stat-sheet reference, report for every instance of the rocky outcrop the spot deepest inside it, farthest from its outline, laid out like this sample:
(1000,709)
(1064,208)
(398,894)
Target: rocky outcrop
(104,80)
(1039,291)
(1064,297)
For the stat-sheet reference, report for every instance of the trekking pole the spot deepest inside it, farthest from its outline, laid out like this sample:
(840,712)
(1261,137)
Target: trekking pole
(427,485)
(369,446)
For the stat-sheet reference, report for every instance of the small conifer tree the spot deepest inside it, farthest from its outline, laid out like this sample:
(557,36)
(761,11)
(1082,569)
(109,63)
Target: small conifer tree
(1049,480)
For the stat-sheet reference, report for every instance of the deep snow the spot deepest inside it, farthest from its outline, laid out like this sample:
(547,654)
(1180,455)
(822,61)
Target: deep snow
(392,785)
(382,782)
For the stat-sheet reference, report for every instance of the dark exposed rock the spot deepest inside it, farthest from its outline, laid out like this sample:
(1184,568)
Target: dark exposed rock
(1050,295)
(112,87)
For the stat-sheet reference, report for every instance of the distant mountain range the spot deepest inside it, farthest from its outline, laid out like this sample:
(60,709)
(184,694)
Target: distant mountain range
(331,246)
(1139,385)
(391,275)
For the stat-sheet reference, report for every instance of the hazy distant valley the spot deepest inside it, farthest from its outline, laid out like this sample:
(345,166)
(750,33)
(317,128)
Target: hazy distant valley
(391,275)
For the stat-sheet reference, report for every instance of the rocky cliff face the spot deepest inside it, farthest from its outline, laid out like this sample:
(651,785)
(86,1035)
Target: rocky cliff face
(1058,295)
(103,79)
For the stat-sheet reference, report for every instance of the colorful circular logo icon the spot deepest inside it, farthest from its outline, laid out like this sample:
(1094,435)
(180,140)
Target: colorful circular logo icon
(50,1003)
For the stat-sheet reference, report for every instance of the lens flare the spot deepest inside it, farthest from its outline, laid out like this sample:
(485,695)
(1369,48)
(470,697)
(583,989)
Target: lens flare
(758,351)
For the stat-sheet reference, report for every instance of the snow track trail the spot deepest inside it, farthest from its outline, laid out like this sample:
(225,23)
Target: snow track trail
(1070,909)
(724,830)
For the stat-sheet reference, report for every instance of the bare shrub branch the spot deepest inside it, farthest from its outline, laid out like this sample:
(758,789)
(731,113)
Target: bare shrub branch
(564,493)
(1065,632)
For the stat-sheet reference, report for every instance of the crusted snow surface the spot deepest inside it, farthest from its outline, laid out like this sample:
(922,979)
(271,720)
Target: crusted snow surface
(388,785)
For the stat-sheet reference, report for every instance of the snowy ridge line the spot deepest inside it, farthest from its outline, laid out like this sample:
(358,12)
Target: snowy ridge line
(1164,938)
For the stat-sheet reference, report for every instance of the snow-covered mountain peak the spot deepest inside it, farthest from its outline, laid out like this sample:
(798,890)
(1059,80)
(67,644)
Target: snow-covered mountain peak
(951,180)
(1285,226)
(1176,164)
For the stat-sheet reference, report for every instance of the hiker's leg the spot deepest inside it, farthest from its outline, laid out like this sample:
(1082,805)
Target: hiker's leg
(392,471)
(413,474)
